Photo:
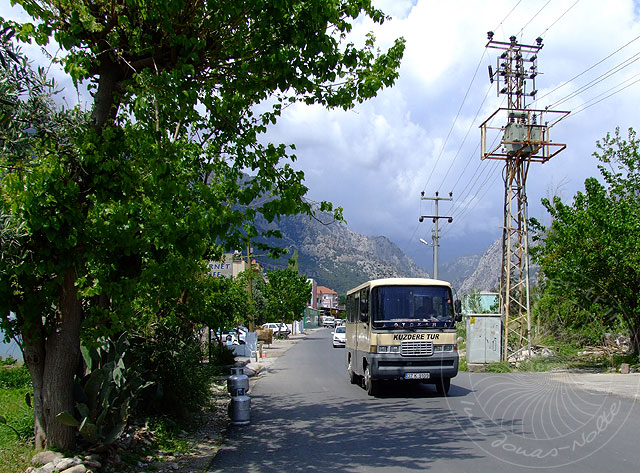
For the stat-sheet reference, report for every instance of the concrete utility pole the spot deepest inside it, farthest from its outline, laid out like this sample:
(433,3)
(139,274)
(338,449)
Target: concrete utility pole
(524,139)
(250,287)
(435,234)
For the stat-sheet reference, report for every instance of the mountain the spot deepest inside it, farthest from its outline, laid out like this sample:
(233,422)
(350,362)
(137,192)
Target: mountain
(458,270)
(335,256)
(486,276)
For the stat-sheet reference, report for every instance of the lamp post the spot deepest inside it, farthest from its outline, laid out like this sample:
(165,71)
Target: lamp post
(436,232)
(435,257)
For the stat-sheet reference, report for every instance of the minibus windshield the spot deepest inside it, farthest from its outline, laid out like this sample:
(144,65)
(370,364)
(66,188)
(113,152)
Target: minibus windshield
(411,306)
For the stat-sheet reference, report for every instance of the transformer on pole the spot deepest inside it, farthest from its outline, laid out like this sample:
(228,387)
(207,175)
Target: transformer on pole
(524,138)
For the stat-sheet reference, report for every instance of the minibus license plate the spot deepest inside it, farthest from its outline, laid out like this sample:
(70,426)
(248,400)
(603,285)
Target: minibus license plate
(416,375)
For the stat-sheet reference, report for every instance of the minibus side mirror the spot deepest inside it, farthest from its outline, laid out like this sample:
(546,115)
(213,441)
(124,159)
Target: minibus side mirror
(458,310)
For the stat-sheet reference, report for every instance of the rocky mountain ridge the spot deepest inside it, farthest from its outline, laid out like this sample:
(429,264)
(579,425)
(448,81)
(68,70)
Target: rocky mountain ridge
(340,258)
(336,256)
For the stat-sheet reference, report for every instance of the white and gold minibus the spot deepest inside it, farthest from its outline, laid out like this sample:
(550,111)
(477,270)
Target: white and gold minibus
(402,329)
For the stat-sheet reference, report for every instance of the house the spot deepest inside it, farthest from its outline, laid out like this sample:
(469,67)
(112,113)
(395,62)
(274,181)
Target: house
(326,298)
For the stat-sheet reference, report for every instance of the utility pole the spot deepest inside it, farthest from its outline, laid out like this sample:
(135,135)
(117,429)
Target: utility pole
(435,234)
(250,287)
(524,139)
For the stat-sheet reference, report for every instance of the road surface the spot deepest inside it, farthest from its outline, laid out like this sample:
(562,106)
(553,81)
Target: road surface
(307,417)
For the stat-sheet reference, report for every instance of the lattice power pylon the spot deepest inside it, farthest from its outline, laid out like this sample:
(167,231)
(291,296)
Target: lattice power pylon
(522,137)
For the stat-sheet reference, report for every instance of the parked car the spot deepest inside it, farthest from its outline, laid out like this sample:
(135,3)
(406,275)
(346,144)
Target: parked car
(279,329)
(241,333)
(228,338)
(328,321)
(340,336)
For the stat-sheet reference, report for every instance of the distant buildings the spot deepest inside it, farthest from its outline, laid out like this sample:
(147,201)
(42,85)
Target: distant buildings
(326,298)
(322,297)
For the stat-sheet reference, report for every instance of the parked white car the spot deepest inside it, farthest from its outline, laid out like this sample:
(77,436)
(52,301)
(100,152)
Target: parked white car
(340,336)
(279,329)
(328,321)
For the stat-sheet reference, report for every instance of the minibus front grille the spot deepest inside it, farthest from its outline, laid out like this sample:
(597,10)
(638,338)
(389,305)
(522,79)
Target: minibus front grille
(416,348)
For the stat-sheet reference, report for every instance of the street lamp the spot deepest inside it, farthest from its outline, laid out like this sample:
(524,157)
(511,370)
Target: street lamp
(435,256)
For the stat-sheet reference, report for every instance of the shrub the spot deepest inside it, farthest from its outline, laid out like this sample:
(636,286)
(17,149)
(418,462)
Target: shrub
(107,394)
(173,361)
(222,356)
(13,377)
(8,361)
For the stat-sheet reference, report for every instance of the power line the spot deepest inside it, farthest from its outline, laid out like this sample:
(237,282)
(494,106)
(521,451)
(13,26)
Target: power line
(586,70)
(464,209)
(454,121)
(533,17)
(559,18)
(614,70)
(460,209)
(466,136)
(462,104)
(585,106)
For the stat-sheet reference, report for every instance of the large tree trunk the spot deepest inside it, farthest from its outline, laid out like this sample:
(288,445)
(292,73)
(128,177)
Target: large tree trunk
(105,108)
(34,357)
(52,361)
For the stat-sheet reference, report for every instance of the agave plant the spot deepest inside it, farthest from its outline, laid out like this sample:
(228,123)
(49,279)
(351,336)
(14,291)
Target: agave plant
(106,394)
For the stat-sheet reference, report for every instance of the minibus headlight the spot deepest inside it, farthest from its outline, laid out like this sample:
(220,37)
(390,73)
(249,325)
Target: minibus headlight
(388,348)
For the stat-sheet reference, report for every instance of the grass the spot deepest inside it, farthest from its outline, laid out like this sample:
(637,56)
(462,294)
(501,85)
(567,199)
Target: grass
(16,419)
(499,367)
(565,356)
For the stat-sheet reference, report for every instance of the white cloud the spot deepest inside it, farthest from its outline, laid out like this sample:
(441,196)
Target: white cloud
(376,159)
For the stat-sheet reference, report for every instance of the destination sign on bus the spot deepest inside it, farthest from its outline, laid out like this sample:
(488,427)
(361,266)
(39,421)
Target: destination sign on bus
(416,336)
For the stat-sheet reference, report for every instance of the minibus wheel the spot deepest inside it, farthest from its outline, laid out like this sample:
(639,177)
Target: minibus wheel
(353,377)
(370,385)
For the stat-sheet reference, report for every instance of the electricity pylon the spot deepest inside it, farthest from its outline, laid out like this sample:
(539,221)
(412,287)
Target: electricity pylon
(523,139)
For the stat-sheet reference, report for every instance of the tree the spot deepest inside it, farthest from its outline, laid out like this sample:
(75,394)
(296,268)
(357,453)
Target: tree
(287,294)
(591,252)
(126,205)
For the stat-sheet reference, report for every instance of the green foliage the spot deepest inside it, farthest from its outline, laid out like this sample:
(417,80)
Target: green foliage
(15,456)
(461,331)
(8,361)
(107,393)
(14,377)
(171,357)
(123,206)
(223,356)
(498,367)
(16,417)
(287,294)
(559,313)
(591,254)
(166,434)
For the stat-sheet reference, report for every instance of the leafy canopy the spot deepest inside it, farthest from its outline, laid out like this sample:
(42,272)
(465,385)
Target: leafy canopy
(591,252)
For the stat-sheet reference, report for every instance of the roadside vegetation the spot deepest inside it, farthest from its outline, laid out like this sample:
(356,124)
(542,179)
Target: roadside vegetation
(587,302)
(110,214)
(586,306)
(16,417)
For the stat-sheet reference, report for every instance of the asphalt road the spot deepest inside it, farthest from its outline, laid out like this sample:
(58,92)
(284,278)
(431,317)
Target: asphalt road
(307,417)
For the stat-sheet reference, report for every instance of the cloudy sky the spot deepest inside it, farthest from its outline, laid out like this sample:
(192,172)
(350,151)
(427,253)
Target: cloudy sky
(423,133)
